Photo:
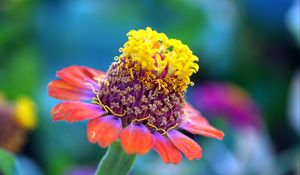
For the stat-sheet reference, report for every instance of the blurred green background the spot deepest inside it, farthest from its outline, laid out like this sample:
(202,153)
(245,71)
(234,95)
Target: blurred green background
(253,44)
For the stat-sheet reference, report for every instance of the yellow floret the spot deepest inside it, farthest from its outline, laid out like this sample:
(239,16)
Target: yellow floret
(25,112)
(156,52)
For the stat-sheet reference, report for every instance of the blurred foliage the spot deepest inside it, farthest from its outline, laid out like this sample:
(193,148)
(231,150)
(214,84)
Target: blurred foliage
(176,17)
(7,162)
(16,25)
(18,54)
(21,74)
(264,63)
(19,58)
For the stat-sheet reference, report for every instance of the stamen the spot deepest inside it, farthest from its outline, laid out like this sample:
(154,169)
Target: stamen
(98,79)
(92,87)
(94,101)
(172,127)
(106,82)
(119,115)
(161,84)
(157,129)
(98,102)
(116,58)
(138,120)
(131,73)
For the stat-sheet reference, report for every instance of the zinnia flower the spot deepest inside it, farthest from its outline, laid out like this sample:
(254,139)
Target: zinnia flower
(140,100)
(15,120)
(250,149)
(230,101)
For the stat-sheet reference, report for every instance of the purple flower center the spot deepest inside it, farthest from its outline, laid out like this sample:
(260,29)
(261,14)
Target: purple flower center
(127,94)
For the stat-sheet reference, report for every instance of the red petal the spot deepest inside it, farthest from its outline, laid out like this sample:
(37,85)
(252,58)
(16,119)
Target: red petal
(190,109)
(104,130)
(73,111)
(195,123)
(79,76)
(59,89)
(136,139)
(166,150)
(188,146)
(195,126)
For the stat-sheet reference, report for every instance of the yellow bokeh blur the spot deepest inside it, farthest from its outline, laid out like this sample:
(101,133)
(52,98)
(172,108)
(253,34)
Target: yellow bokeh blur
(25,112)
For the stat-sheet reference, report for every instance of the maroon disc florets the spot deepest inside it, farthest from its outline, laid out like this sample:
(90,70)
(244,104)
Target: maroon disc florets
(125,94)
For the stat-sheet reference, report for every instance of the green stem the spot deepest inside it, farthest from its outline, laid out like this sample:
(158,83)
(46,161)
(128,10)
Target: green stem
(115,161)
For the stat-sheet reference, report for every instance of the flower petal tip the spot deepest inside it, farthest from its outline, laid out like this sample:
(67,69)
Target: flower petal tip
(79,75)
(104,130)
(60,89)
(189,147)
(55,113)
(197,124)
(221,135)
(166,150)
(136,139)
(73,111)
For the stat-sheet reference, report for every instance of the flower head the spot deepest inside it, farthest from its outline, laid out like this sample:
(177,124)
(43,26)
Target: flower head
(15,120)
(164,59)
(25,112)
(230,101)
(140,100)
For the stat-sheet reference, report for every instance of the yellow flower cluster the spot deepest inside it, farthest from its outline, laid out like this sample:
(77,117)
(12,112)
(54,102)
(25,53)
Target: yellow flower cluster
(156,52)
(25,112)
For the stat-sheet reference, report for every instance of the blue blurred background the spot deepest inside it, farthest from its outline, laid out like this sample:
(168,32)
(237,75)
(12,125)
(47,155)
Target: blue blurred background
(252,44)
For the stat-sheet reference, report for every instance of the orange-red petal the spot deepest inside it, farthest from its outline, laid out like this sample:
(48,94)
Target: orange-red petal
(59,89)
(73,111)
(190,109)
(189,147)
(136,139)
(195,123)
(80,75)
(166,150)
(104,130)
(201,128)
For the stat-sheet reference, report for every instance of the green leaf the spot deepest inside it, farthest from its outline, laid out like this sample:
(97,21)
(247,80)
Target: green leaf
(7,162)
(115,161)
